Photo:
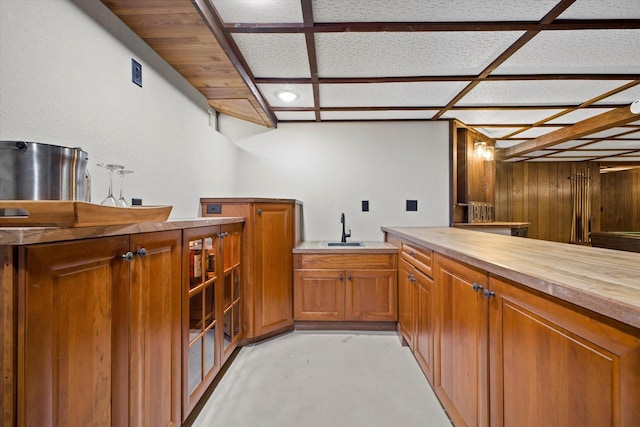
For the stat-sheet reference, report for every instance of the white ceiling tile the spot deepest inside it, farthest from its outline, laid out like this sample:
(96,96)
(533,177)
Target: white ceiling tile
(275,55)
(621,159)
(514,159)
(587,153)
(536,132)
(545,92)
(305,92)
(606,133)
(633,135)
(388,94)
(429,11)
(500,116)
(506,143)
(602,9)
(259,12)
(295,115)
(556,159)
(352,54)
(635,123)
(614,144)
(624,97)
(578,51)
(496,132)
(579,115)
(570,144)
(539,153)
(378,115)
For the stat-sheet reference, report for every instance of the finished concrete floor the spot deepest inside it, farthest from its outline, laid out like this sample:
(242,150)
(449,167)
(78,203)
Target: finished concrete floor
(324,379)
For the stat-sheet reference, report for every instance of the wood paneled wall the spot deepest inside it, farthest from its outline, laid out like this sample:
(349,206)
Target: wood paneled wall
(621,200)
(540,193)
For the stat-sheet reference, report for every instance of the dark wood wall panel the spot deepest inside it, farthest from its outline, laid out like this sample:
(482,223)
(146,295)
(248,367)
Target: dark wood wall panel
(540,193)
(621,201)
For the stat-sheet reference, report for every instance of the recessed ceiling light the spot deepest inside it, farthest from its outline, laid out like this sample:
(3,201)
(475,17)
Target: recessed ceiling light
(287,95)
(635,107)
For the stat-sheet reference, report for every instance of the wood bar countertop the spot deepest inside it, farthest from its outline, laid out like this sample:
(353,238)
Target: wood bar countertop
(32,235)
(601,280)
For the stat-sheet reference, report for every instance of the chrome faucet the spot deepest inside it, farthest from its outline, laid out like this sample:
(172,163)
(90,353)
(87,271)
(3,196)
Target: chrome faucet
(344,235)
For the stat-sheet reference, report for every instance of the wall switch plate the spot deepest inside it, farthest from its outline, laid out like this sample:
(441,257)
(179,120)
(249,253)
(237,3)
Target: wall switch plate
(136,202)
(365,206)
(412,205)
(136,72)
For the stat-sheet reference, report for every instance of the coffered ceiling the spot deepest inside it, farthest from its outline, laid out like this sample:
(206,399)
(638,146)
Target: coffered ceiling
(521,72)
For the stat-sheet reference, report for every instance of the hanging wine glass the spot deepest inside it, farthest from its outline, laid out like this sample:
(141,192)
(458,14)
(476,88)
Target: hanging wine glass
(110,200)
(122,202)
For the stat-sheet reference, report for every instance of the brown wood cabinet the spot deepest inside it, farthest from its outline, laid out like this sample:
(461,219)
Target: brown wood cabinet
(211,306)
(271,231)
(99,335)
(554,364)
(345,287)
(461,343)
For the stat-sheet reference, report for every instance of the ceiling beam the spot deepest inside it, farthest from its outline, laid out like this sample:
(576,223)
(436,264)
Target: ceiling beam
(617,117)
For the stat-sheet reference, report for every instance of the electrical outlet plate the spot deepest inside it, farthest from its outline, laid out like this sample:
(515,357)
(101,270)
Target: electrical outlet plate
(136,72)
(412,205)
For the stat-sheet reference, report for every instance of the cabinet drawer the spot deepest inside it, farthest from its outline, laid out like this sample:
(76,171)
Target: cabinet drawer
(421,258)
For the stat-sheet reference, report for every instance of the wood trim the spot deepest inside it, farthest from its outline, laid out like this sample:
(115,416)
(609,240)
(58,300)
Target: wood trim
(212,21)
(619,116)
(344,326)
(307,13)
(8,334)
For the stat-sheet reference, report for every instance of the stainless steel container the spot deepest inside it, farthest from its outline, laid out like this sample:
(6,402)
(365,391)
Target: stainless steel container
(35,171)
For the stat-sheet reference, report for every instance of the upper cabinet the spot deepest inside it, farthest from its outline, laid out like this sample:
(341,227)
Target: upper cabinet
(473,175)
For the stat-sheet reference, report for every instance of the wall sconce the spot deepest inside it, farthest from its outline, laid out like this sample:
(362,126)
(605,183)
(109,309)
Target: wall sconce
(484,151)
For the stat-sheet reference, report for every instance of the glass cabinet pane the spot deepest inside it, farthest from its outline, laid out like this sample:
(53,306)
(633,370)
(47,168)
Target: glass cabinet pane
(227,328)
(209,305)
(209,349)
(209,257)
(236,320)
(195,263)
(196,325)
(195,365)
(236,285)
(227,291)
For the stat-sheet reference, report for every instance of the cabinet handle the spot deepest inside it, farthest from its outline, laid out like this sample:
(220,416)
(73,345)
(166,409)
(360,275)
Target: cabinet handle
(477,287)
(127,257)
(340,277)
(412,253)
(259,212)
(349,277)
(142,252)
(488,294)
(412,278)
(223,235)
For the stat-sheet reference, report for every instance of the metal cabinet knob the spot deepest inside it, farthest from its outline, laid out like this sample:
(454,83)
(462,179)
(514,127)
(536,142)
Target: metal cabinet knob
(127,257)
(349,277)
(488,294)
(142,252)
(477,287)
(259,211)
(340,277)
(223,235)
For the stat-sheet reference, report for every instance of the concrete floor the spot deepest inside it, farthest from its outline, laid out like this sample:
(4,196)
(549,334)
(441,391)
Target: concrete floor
(324,379)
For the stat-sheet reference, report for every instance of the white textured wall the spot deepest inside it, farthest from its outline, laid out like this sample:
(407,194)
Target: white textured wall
(332,167)
(65,79)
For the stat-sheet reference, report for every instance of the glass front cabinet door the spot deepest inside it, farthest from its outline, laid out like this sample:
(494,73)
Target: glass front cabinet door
(211,306)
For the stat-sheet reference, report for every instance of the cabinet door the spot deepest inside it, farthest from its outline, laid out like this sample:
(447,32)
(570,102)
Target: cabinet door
(371,295)
(74,335)
(554,365)
(461,361)
(154,325)
(319,294)
(407,303)
(423,348)
(273,242)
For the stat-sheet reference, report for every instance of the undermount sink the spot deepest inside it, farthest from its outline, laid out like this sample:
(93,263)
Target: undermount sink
(345,244)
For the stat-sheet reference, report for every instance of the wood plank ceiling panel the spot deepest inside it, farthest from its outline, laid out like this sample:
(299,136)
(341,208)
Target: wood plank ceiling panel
(179,34)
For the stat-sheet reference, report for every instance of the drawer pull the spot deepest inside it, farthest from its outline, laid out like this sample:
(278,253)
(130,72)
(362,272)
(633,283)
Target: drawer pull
(412,253)
(127,257)
(488,294)
(142,252)
(349,277)
(341,277)
(477,287)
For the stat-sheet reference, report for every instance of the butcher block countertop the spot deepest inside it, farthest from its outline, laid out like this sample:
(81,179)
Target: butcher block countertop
(602,280)
(320,247)
(31,235)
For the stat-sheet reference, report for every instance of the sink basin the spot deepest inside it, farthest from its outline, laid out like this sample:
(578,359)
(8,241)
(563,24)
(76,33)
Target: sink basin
(345,244)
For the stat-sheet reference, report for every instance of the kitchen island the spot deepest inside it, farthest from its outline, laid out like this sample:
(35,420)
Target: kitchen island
(514,331)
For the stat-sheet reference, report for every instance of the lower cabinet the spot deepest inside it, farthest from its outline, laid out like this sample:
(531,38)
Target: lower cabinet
(552,364)
(366,291)
(211,304)
(99,332)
